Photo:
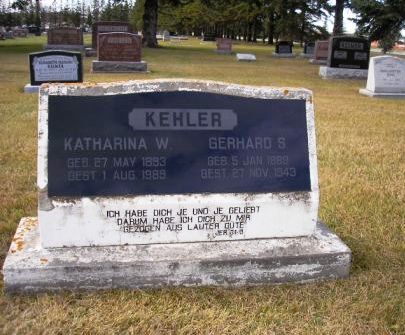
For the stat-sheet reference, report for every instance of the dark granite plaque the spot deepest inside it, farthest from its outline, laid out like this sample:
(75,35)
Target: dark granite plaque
(209,37)
(309,48)
(348,52)
(284,47)
(176,143)
(55,67)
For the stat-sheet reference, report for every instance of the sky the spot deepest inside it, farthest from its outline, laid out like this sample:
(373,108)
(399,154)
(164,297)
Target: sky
(349,26)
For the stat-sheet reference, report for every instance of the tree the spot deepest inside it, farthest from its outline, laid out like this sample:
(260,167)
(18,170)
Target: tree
(381,20)
(338,23)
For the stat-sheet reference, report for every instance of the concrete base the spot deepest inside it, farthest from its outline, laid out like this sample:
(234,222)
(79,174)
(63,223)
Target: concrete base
(318,61)
(64,47)
(365,91)
(89,52)
(106,66)
(327,72)
(29,268)
(306,55)
(31,89)
(283,55)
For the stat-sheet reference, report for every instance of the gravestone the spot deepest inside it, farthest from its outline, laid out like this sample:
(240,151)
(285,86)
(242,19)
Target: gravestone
(174,182)
(65,38)
(320,53)
(119,52)
(106,27)
(309,49)
(166,35)
(348,58)
(20,32)
(386,78)
(245,57)
(224,46)
(2,33)
(284,49)
(54,67)
(9,35)
(209,37)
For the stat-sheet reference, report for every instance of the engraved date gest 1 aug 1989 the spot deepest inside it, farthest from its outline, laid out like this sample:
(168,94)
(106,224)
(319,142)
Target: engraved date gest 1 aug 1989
(116,168)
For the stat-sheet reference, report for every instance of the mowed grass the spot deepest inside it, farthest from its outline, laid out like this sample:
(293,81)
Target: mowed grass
(361,162)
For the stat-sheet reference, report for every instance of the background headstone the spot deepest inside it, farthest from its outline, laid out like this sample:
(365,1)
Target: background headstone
(224,45)
(119,47)
(309,49)
(284,49)
(54,67)
(119,52)
(65,38)
(321,52)
(386,77)
(209,37)
(108,27)
(348,52)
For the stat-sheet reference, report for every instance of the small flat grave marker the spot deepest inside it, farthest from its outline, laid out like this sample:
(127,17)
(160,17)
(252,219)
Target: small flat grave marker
(245,57)
(54,67)
(386,77)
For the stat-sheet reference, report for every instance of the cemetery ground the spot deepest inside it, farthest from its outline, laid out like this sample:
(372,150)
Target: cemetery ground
(361,163)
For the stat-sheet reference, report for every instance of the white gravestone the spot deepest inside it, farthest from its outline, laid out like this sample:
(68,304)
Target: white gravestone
(245,57)
(386,77)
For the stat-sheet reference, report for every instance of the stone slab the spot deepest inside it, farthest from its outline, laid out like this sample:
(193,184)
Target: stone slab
(67,47)
(90,52)
(318,61)
(108,66)
(366,92)
(283,55)
(306,55)
(31,88)
(245,57)
(327,72)
(29,268)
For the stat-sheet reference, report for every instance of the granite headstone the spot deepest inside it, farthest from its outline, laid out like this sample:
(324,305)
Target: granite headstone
(224,46)
(119,52)
(386,77)
(129,172)
(54,67)
(65,38)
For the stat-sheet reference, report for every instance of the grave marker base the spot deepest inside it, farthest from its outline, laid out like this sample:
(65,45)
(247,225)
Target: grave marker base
(327,72)
(306,55)
(318,61)
(109,66)
(67,47)
(29,268)
(366,92)
(89,52)
(283,55)
(31,88)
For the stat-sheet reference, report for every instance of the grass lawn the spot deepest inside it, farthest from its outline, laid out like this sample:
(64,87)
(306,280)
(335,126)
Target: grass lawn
(361,161)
